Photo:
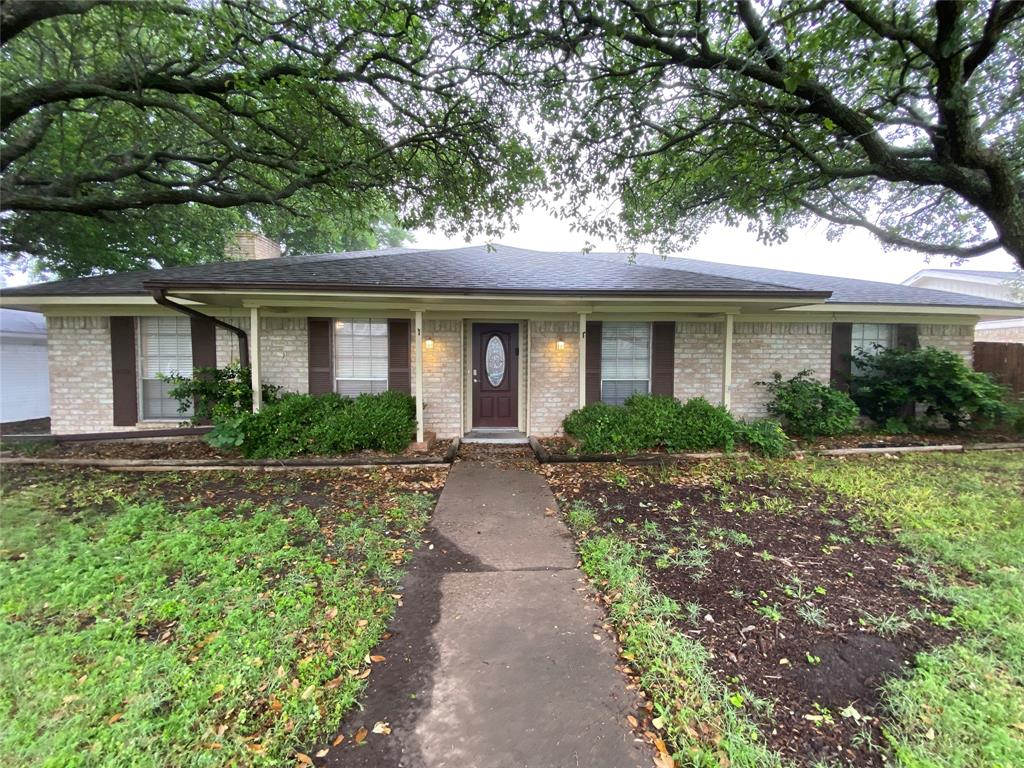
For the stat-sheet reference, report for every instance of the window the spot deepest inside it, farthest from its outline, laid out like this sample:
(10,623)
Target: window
(625,360)
(165,347)
(868,337)
(360,356)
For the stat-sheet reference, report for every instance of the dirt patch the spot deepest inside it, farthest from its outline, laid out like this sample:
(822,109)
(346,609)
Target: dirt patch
(184,449)
(939,437)
(800,601)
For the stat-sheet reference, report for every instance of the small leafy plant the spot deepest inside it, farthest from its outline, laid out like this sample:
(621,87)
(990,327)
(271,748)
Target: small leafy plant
(217,393)
(810,408)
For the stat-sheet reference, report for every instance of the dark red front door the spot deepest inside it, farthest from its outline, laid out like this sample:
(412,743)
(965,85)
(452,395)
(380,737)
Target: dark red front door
(495,366)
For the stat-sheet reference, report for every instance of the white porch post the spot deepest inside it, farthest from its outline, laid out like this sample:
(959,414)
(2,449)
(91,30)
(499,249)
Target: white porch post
(727,364)
(418,380)
(583,358)
(254,358)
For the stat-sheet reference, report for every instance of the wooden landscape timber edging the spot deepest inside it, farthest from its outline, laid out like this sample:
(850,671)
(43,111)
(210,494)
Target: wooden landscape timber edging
(214,465)
(544,456)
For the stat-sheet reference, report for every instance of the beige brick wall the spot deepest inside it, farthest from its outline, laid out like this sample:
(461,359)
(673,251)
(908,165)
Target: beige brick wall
(959,338)
(442,378)
(700,347)
(759,349)
(81,395)
(284,347)
(554,374)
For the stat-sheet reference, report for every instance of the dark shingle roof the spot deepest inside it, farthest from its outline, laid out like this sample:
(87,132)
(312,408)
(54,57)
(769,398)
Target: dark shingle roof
(505,270)
(475,269)
(845,290)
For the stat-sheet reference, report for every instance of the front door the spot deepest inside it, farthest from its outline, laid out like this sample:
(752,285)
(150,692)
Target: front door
(495,368)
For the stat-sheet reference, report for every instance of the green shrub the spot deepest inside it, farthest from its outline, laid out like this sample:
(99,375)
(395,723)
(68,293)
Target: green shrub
(602,428)
(217,392)
(652,421)
(765,437)
(891,379)
(319,425)
(809,408)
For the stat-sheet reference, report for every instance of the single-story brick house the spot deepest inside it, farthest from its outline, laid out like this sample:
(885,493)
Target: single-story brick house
(485,337)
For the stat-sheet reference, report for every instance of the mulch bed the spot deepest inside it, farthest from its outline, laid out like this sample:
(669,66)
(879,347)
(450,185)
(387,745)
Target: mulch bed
(321,489)
(875,440)
(188,449)
(816,554)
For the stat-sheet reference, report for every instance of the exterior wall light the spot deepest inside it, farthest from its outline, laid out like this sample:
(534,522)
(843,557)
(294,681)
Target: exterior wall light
(560,344)
(429,343)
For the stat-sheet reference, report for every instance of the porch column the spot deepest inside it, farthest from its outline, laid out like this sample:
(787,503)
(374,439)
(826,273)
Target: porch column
(417,358)
(727,364)
(582,341)
(254,358)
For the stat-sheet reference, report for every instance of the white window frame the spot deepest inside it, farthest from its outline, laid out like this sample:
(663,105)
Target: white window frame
(140,361)
(650,353)
(336,363)
(869,346)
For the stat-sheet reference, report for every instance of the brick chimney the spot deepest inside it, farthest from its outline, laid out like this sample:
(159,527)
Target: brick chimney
(251,246)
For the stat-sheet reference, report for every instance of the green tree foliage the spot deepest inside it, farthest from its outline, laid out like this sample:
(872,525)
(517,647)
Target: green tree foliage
(903,119)
(140,132)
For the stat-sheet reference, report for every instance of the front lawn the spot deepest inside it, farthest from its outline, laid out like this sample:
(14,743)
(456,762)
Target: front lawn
(818,613)
(197,619)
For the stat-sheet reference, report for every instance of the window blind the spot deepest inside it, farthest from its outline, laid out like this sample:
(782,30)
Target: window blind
(360,356)
(165,348)
(869,337)
(625,361)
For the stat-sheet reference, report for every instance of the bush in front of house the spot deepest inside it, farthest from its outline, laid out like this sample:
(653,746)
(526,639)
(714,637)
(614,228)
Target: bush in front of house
(766,437)
(217,393)
(652,421)
(809,408)
(887,380)
(319,425)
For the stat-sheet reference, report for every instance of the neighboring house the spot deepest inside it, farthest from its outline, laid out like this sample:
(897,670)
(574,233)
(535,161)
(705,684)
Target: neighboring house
(1006,286)
(484,337)
(24,388)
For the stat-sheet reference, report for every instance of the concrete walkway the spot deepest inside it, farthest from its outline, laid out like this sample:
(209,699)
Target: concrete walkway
(493,659)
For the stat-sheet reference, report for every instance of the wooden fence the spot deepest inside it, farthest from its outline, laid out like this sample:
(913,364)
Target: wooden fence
(1003,360)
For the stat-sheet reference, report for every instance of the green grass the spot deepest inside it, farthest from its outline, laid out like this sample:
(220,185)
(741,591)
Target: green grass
(702,721)
(144,633)
(963,515)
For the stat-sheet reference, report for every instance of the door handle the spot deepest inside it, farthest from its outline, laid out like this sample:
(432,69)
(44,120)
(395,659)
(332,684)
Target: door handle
(476,379)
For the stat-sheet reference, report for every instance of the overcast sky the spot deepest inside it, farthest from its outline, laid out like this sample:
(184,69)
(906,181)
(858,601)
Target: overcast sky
(856,255)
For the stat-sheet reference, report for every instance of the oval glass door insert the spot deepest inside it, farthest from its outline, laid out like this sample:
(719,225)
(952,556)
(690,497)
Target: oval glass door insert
(494,361)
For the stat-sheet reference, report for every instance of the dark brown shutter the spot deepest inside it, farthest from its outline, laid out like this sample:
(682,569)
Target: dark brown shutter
(663,354)
(204,343)
(399,369)
(321,372)
(842,346)
(906,337)
(123,369)
(593,372)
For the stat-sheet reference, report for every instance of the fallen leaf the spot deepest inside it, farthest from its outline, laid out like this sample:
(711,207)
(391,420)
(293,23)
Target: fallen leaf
(338,739)
(360,736)
(664,761)
(323,752)
(114,718)
(658,722)
(659,744)
(331,613)
(376,659)
(213,745)
(382,728)
(332,684)
(633,722)
(308,692)
(303,759)
(362,622)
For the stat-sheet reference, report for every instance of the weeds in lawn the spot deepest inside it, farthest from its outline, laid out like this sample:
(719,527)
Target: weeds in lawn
(187,634)
(672,668)
(963,704)
(812,614)
(888,625)
(771,612)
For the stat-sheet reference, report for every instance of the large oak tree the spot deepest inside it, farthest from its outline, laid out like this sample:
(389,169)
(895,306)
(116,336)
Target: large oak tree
(902,118)
(141,131)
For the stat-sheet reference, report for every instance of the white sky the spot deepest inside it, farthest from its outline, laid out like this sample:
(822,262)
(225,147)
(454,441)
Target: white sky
(858,254)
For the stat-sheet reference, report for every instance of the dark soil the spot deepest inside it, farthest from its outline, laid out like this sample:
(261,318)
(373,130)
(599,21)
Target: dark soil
(179,448)
(940,437)
(741,557)
(321,489)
